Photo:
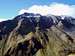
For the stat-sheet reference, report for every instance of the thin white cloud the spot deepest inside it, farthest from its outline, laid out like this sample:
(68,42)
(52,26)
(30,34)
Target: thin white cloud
(54,9)
(2,19)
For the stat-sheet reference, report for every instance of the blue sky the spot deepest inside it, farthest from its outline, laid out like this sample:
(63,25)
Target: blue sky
(10,8)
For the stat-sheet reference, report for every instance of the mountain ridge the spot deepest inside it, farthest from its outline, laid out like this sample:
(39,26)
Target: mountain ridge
(29,35)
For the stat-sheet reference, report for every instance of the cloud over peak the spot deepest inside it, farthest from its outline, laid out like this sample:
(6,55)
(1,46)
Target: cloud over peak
(54,9)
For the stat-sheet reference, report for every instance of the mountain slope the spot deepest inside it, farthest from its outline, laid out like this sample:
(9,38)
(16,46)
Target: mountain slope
(36,35)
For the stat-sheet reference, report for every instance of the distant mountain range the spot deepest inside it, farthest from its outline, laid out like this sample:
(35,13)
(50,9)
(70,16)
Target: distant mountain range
(36,20)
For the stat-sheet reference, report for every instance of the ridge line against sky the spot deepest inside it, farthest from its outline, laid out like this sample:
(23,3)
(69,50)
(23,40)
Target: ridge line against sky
(11,8)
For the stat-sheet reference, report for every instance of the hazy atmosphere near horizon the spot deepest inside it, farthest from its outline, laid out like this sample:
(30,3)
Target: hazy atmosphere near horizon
(11,8)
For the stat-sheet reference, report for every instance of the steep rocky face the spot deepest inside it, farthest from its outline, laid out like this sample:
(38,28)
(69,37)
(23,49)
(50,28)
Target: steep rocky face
(36,35)
(69,22)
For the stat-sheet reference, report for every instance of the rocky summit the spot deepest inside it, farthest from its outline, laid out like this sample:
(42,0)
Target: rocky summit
(31,34)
